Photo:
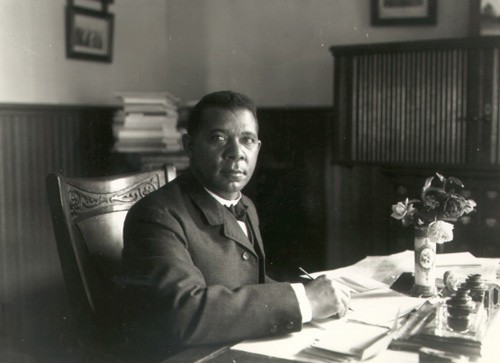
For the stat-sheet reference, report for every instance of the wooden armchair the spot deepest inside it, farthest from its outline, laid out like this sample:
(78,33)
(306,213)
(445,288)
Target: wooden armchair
(88,216)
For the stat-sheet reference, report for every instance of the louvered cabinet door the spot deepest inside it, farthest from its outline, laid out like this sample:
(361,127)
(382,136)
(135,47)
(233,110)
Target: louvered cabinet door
(421,103)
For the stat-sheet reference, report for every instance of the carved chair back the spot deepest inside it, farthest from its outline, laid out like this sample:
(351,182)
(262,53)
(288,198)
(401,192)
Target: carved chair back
(88,216)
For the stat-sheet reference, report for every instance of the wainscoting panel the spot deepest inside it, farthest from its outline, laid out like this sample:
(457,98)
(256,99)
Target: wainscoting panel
(34,141)
(36,323)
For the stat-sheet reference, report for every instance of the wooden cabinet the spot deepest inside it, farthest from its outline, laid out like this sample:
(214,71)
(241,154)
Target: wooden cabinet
(424,102)
(403,111)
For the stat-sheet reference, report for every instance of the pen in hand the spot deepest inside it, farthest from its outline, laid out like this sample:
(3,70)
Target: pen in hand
(310,277)
(306,273)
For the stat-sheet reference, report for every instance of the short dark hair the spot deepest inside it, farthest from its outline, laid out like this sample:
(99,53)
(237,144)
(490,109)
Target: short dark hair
(228,100)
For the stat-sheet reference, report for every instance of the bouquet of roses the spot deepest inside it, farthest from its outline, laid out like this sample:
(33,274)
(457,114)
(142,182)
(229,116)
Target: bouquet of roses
(439,206)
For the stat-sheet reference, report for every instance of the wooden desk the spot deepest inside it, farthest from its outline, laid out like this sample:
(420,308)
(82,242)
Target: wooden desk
(220,354)
(224,353)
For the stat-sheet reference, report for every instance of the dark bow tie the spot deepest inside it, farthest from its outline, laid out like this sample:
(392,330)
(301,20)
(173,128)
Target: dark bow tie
(239,211)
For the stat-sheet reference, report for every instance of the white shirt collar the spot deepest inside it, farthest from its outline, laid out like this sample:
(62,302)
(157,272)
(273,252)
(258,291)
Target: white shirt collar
(225,202)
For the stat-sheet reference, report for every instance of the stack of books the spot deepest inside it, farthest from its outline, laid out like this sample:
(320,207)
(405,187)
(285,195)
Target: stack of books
(147,123)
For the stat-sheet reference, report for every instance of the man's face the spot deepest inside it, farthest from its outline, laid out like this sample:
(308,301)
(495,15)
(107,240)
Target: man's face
(224,151)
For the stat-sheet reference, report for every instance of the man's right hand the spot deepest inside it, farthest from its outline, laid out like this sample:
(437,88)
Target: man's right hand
(327,297)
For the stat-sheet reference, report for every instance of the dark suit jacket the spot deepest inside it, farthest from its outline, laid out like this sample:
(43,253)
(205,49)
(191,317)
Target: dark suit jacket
(194,277)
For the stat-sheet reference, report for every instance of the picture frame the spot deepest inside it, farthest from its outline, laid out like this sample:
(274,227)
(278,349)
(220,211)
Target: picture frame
(89,34)
(484,17)
(403,12)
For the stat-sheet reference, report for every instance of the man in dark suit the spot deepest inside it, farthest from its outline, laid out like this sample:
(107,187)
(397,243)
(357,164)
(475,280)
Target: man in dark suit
(199,272)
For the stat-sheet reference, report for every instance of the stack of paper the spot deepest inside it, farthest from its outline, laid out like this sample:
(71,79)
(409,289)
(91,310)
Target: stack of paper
(147,122)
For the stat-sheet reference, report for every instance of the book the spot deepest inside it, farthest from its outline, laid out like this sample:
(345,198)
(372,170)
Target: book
(351,339)
(148,127)
(122,114)
(153,108)
(121,132)
(163,98)
(150,139)
(141,118)
(145,147)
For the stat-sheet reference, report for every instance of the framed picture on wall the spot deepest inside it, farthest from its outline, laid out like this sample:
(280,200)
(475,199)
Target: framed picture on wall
(490,17)
(89,34)
(404,12)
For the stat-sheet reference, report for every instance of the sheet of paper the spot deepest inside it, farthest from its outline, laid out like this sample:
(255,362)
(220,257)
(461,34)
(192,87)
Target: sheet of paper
(285,347)
(490,268)
(382,306)
(384,269)
(356,282)
(456,259)
(349,338)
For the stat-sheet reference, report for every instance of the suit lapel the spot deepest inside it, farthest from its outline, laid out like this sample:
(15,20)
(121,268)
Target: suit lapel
(233,231)
(252,220)
(257,238)
(216,214)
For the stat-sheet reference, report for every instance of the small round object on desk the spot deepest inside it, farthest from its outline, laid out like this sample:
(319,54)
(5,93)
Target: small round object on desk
(459,308)
(451,281)
(477,287)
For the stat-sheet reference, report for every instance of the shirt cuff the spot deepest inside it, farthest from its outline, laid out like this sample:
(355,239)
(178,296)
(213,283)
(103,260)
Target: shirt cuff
(304,304)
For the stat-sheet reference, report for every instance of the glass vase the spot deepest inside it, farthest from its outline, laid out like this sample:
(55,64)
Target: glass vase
(425,265)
